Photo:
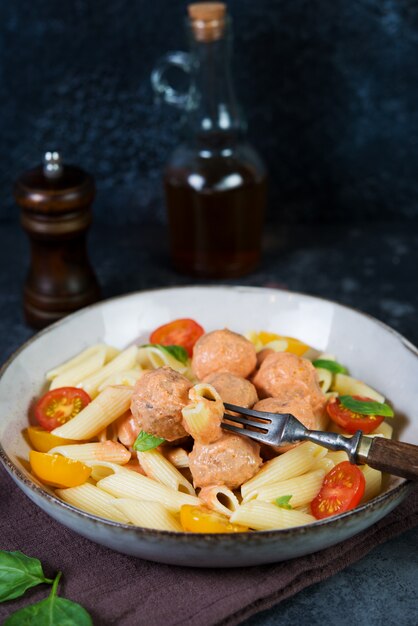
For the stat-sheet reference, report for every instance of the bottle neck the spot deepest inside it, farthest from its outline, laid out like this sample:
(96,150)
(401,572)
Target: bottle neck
(214,116)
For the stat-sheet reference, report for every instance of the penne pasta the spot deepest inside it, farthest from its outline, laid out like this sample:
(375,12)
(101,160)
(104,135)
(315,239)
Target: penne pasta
(156,466)
(102,469)
(373,482)
(203,415)
(101,451)
(128,484)
(147,514)
(325,464)
(384,430)
(127,359)
(72,376)
(303,489)
(219,498)
(337,456)
(266,516)
(324,379)
(104,409)
(152,357)
(346,385)
(93,500)
(177,456)
(126,377)
(73,363)
(293,463)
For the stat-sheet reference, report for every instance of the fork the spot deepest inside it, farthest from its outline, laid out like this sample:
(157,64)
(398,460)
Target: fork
(394,457)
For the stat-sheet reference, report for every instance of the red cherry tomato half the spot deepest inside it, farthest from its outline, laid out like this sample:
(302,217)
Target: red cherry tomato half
(183,332)
(59,406)
(350,421)
(341,491)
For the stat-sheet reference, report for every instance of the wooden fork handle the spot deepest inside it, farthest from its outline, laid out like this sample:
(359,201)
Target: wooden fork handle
(394,457)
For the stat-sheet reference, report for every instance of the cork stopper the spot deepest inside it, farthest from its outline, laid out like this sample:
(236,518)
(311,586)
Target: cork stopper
(207,20)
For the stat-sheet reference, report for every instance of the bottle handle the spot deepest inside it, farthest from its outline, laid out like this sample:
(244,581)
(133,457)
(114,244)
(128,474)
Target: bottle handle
(162,88)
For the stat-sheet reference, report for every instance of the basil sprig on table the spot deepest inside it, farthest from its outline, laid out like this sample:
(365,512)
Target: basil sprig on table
(52,611)
(177,352)
(283,502)
(18,573)
(366,407)
(145,442)
(332,366)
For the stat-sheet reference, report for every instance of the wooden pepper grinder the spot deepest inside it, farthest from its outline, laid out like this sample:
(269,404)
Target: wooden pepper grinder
(56,213)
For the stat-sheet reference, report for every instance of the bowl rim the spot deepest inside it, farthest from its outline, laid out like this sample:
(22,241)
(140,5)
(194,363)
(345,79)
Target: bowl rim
(396,493)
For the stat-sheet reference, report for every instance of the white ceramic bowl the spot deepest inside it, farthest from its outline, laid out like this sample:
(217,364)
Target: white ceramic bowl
(372,351)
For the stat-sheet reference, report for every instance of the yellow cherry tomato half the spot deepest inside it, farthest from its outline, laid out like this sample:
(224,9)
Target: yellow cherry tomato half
(199,519)
(295,346)
(43,441)
(57,470)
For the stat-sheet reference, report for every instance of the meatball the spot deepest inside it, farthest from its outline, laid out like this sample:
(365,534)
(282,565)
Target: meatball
(157,401)
(288,377)
(223,351)
(233,389)
(230,461)
(298,407)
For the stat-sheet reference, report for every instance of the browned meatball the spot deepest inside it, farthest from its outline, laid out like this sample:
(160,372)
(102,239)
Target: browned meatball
(223,351)
(288,377)
(230,461)
(233,389)
(157,401)
(298,407)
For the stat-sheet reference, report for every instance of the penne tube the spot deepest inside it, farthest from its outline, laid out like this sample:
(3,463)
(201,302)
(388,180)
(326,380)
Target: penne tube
(325,464)
(337,457)
(93,500)
(324,379)
(373,482)
(148,514)
(110,353)
(177,456)
(152,357)
(306,508)
(384,430)
(292,463)
(72,376)
(156,466)
(203,415)
(101,451)
(126,360)
(303,489)
(102,469)
(129,484)
(266,516)
(346,385)
(126,377)
(219,498)
(104,409)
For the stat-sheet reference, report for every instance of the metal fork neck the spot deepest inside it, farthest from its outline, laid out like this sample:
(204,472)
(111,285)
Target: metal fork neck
(333,441)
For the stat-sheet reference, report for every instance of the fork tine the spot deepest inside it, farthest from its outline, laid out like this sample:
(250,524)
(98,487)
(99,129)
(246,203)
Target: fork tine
(252,434)
(243,411)
(247,422)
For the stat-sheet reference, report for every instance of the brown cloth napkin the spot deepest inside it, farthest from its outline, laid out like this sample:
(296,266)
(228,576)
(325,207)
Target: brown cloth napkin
(126,591)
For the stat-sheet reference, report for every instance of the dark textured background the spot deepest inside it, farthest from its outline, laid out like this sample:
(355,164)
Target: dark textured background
(330,90)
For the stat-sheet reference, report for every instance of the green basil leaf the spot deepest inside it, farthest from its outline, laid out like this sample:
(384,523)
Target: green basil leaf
(53,611)
(145,442)
(19,572)
(332,366)
(177,352)
(283,502)
(369,407)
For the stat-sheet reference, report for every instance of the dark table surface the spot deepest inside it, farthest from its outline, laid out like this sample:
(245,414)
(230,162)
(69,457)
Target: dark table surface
(373,267)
